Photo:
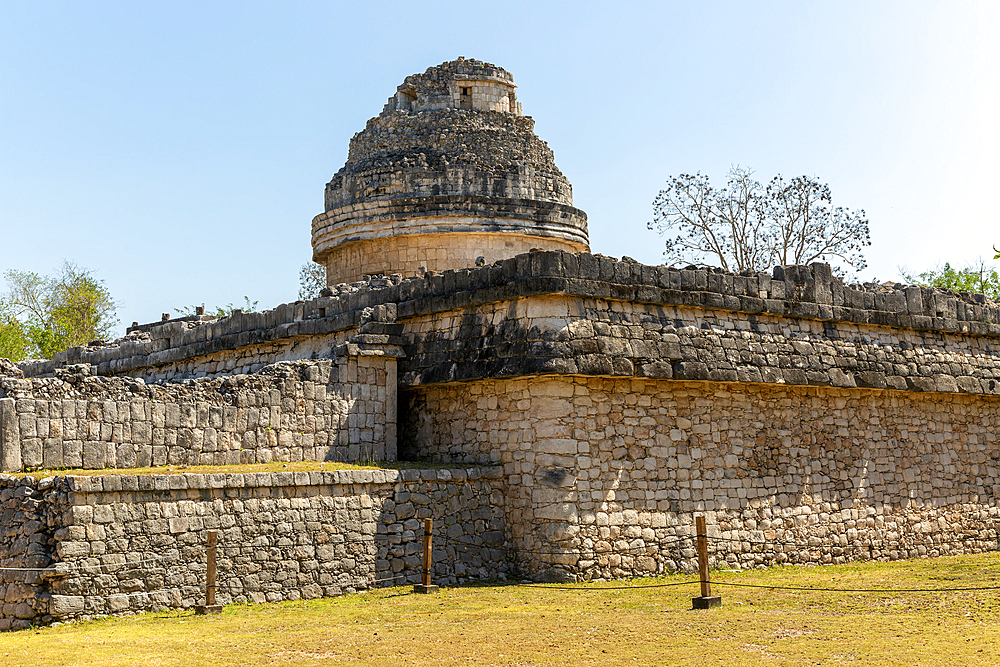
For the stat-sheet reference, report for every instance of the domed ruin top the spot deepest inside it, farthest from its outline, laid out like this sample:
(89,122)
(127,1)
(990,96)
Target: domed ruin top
(456,129)
(450,153)
(452,85)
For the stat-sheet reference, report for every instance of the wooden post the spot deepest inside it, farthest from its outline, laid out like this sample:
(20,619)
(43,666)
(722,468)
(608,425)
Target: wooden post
(706,585)
(210,607)
(706,600)
(426,586)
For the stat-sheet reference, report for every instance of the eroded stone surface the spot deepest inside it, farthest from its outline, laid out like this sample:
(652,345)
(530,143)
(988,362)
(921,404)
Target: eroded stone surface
(341,410)
(449,172)
(612,471)
(126,543)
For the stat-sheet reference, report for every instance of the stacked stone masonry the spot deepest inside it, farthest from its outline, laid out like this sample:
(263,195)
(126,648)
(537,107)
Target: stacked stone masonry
(449,155)
(463,83)
(291,411)
(912,333)
(605,475)
(124,543)
(603,403)
(810,420)
(411,254)
(25,542)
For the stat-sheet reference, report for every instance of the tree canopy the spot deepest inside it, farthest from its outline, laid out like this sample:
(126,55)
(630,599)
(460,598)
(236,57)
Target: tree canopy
(978,278)
(42,315)
(745,225)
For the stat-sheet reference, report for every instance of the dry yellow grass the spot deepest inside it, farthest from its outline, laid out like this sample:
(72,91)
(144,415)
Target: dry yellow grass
(576,625)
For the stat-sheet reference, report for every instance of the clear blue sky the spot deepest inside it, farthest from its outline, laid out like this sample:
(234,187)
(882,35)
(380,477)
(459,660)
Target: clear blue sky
(179,150)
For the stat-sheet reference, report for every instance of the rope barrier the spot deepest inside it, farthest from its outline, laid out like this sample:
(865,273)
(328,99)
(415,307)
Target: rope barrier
(610,588)
(460,547)
(857,590)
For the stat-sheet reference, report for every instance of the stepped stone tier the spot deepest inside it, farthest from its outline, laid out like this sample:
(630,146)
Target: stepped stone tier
(448,173)
(581,410)
(588,409)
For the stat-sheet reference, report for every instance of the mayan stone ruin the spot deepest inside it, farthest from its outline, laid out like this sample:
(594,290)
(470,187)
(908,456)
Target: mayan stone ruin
(580,410)
(449,172)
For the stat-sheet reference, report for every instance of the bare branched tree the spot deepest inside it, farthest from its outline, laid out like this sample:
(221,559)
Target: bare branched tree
(808,228)
(745,226)
(312,280)
(723,224)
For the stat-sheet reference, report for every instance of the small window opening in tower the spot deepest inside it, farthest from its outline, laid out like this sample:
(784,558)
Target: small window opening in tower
(466,99)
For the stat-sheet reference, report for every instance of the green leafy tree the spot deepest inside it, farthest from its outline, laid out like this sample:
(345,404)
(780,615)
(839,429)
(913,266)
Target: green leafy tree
(14,343)
(978,278)
(43,315)
(745,225)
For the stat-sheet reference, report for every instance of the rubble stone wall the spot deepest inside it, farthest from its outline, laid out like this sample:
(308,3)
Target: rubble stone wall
(609,326)
(342,410)
(26,541)
(243,342)
(605,475)
(797,339)
(904,338)
(123,543)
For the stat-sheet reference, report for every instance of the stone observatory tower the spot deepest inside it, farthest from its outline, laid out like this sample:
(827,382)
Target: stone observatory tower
(449,172)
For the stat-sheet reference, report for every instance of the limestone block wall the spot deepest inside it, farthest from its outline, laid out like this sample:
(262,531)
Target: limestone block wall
(124,543)
(605,475)
(430,189)
(443,231)
(358,314)
(484,95)
(409,253)
(328,410)
(440,87)
(601,317)
(797,324)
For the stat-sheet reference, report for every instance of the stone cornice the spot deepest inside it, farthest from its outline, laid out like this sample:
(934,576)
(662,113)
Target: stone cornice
(799,295)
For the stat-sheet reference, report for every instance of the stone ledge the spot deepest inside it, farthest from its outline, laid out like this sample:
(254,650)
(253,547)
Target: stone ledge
(799,293)
(168,483)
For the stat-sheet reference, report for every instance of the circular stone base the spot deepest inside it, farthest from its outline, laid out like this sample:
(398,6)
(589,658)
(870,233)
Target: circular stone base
(406,254)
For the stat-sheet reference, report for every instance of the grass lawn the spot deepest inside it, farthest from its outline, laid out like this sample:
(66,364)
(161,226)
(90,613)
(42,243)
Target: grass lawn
(574,625)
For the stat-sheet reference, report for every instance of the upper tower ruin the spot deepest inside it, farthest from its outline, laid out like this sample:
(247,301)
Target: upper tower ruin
(450,171)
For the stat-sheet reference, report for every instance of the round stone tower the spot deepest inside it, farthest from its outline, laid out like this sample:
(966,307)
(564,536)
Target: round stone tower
(449,172)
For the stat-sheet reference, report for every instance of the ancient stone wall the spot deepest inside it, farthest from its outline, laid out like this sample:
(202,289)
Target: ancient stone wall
(281,536)
(448,152)
(26,544)
(606,475)
(342,410)
(801,344)
(459,84)
(644,319)
(582,314)
(124,543)
(435,252)
(358,320)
